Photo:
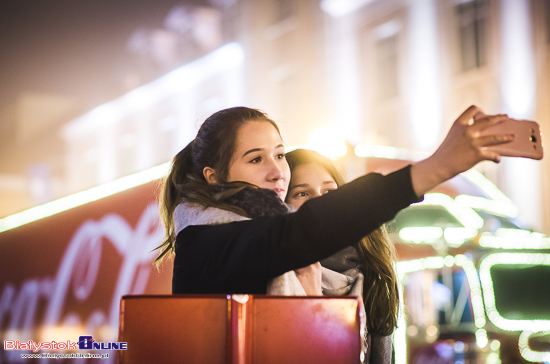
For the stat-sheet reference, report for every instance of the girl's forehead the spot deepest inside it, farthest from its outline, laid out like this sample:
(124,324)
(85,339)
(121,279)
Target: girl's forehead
(257,134)
(310,172)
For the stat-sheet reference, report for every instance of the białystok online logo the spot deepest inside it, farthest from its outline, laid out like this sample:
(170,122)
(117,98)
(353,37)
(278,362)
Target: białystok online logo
(88,343)
(84,343)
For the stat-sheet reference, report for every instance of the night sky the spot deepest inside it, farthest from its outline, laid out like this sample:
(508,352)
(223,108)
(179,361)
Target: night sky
(71,47)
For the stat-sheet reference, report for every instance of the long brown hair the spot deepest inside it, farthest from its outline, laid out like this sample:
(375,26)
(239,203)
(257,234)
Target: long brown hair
(376,254)
(213,147)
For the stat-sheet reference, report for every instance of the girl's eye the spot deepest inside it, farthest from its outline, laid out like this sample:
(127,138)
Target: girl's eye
(329,190)
(256,160)
(301,194)
(281,156)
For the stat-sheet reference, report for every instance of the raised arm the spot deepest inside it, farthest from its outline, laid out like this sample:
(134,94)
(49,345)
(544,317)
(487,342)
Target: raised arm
(462,149)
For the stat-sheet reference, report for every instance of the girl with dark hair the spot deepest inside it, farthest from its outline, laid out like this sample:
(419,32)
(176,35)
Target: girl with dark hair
(365,269)
(222,202)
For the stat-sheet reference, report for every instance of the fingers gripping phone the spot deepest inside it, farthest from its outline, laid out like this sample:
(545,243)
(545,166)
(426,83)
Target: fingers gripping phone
(527,142)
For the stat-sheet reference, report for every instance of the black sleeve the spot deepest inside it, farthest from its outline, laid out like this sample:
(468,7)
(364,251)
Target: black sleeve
(240,257)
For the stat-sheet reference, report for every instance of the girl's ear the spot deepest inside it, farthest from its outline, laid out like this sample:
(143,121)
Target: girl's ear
(210,175)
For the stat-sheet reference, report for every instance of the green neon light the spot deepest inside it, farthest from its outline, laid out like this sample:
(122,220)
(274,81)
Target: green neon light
(489,295)
(415,265)
(499,208)
(481,338)
(467,217)
(84,197)
(453,236)
(424,234)
(514,239)
(487,187)
(475,289)
(525,350)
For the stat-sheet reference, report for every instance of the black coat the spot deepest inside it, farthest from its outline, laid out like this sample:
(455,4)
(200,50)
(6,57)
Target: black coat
(242,256)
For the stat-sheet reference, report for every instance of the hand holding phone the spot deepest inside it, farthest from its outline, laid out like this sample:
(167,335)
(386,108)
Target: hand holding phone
(527,142)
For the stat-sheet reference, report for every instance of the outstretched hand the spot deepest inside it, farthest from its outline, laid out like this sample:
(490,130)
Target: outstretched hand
(463,148)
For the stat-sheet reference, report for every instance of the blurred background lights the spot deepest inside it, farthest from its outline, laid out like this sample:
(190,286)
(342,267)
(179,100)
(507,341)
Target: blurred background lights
(444,350)
(342,7)
(518,65)
(492,358)
(388,152)
(481,338)
(431,332)
(419,235)
(329,142)
(506,238)
(412,330)
(441,295)
(455,237)
(424,101)
(466,216)
(499,208)
(475,289)
(510,259)
(488,187)
(459,347)
(377,151)
(529,354)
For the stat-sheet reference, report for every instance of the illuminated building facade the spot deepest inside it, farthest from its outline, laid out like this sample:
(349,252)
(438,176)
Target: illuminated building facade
(381,73)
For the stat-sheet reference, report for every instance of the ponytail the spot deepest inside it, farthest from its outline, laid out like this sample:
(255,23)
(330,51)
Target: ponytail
(181,168)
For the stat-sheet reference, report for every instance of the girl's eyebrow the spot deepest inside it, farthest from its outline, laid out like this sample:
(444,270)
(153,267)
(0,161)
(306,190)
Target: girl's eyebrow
(300,185)
(307,184)
(260,149)
(252,151)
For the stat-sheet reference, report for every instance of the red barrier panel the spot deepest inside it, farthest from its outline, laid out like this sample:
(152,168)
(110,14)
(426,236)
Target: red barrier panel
(240,329)
(305,330)
(172,329)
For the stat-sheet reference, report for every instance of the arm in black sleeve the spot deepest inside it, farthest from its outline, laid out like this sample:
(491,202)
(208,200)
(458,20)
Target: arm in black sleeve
(240,257)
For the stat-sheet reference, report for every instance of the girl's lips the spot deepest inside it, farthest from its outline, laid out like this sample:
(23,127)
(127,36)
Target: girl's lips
(279,191)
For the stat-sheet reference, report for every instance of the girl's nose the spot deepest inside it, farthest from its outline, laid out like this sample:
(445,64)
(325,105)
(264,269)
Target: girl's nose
(275,172)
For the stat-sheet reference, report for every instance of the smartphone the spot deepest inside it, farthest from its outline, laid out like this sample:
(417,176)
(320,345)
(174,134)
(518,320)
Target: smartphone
(527,142)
